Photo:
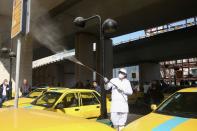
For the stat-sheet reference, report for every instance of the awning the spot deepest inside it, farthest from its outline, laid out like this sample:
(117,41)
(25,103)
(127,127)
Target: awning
(53,58)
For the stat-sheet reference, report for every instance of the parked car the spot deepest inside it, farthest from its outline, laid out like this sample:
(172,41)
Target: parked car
(77,102)
(177,113)
(38,120)
(30,97)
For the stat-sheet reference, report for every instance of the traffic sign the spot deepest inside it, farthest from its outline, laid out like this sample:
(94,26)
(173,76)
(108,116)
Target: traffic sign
(17,15)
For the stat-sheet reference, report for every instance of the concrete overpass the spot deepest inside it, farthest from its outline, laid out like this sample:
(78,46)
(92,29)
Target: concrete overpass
(131,15)
(148,52)
(52,29)
(173,45)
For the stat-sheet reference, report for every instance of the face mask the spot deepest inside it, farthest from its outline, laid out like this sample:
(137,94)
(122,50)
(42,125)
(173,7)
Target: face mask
(121,76)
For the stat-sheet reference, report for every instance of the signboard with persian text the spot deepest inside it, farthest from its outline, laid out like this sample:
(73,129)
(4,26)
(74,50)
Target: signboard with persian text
(17,15)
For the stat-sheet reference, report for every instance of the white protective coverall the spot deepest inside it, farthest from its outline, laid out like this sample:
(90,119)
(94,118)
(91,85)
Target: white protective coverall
(119,104)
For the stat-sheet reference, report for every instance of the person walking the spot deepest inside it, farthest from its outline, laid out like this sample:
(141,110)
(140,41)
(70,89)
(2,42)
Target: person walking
(146,87)
(96,87)
(25,88)
(4,92)
(156,93)
(79,85)
(121,88)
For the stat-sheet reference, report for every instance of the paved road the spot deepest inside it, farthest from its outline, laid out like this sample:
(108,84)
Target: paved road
(132,117)
(137,111)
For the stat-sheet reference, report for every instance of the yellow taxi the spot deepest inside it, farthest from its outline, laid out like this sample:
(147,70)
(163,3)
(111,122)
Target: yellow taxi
(177,113)
(77,102)
(29,98)
(38,120)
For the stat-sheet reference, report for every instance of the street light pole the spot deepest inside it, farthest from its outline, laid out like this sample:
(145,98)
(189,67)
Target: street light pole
(100,51)
(111,26)
(18,56)
(10,80)
(101,55)
(11,55)
(102,69)
(102,60)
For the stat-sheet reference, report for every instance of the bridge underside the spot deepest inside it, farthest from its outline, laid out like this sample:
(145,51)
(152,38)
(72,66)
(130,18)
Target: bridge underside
(168,46)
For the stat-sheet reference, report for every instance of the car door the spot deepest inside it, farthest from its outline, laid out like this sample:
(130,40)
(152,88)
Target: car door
(70,104)
(90,105)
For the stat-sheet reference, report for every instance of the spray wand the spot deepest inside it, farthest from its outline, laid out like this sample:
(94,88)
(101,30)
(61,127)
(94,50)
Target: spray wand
(75,60)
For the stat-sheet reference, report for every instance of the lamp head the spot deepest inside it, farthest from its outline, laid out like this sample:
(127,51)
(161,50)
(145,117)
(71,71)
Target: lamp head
(4,50)
(12,54)
(109,26)
(80,21)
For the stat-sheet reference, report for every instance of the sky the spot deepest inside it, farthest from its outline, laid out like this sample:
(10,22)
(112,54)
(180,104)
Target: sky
(127,37)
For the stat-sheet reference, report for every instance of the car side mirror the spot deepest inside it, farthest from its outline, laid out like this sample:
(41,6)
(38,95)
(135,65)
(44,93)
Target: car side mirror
(153,107)
(59,106)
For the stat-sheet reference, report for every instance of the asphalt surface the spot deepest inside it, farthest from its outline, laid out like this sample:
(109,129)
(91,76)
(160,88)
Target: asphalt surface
(137,111)
(133,117)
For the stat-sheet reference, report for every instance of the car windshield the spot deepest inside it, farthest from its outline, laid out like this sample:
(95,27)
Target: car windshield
(181,104)
(35,93)
(48,99)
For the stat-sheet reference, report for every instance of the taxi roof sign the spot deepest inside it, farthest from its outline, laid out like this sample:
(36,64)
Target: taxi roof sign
(17,15)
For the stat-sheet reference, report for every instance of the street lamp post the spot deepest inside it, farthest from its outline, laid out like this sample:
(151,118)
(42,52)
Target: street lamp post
(11,55)
(108,26)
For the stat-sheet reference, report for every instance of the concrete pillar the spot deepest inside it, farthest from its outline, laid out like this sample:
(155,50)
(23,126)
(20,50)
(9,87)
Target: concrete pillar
(108,71)
(84,53)
(69,74)
(26,59)
(148,72)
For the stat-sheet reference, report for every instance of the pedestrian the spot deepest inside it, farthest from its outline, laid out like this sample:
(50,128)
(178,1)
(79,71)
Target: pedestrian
(96,87)
(4,92)
(156,93)
(79,85)
(25,88)
(146,87)
(121,88)
(88,84)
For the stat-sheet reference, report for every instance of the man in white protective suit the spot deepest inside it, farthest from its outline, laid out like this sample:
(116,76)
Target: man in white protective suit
(121,88)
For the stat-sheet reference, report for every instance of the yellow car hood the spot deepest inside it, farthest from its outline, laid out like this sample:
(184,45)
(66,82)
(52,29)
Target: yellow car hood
(159,122)
(30,106)
(37,120)
(20,102)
